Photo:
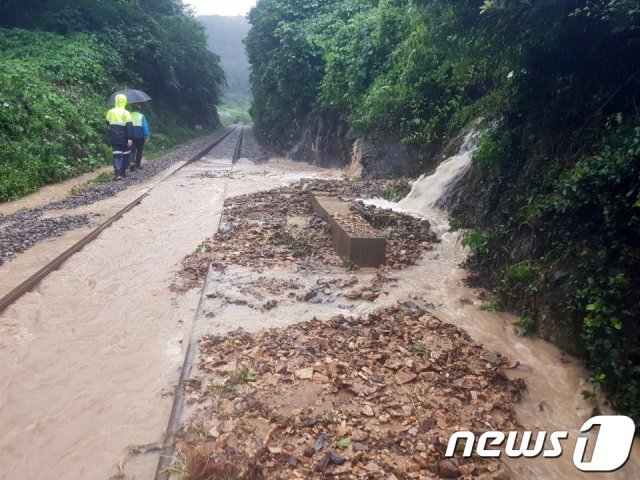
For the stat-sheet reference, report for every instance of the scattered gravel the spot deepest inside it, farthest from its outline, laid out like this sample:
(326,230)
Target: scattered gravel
(368,397)
(23,229)
(29,228)
(227,147)
(252,149)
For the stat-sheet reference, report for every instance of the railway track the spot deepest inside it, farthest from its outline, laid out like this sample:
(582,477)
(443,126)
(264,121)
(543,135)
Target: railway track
(56,263)
(169,444)
(238,150)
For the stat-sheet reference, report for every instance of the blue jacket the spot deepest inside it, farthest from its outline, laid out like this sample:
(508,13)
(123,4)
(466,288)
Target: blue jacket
(140,126)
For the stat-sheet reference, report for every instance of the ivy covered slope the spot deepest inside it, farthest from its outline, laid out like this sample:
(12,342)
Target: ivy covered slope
(555,205)
(60,60)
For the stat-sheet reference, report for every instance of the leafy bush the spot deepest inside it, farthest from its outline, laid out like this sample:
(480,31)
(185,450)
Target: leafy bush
(397,190)
(526,325)
(51,125)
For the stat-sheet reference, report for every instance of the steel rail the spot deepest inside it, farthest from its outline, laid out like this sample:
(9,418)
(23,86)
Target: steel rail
(173,426)
(179,399)
(56,263)
(238,151)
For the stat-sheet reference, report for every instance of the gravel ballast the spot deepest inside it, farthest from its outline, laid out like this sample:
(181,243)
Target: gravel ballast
(24,229)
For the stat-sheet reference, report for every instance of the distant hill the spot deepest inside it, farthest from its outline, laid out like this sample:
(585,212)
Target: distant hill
(225,36)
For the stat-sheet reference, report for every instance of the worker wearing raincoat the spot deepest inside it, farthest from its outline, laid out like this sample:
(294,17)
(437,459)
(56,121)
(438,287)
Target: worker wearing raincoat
(140,135)
(120,135)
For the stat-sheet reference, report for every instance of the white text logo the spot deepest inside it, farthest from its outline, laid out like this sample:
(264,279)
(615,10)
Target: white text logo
(611,451)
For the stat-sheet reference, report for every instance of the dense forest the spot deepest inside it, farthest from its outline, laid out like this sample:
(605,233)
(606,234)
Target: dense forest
(226,36)
(554,86)
(59,60)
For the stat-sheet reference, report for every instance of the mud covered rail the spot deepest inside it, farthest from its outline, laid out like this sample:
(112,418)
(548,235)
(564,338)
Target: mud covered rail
(169,443)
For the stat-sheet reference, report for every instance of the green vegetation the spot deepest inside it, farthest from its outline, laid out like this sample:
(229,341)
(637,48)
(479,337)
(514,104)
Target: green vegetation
(555,84)
(247,376)
(397,190)
(417,349)
(526,325)
(344,443)
(235,109)
(60,60)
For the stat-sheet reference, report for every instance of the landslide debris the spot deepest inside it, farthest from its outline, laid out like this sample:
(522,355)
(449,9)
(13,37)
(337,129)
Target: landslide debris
(373,396)
(278,228)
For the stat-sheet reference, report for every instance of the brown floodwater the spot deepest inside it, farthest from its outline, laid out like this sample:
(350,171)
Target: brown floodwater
(89,357)
(50,193)
(555,381)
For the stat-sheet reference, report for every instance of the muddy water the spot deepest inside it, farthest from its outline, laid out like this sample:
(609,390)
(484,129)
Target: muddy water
(554,380)
(23,266)
(89,356)
(50,193)
(235,305)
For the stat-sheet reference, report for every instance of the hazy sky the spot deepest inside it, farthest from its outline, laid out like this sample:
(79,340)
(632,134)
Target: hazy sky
(221,7)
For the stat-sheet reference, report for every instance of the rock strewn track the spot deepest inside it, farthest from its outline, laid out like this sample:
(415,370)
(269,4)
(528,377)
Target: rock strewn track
(375,396)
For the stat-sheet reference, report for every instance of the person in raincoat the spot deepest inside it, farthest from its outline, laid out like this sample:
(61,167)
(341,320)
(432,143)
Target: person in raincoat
(140,135)
(120,135)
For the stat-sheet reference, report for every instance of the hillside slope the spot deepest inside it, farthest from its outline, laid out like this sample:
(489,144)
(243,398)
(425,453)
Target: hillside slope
(60,60)
(225,36)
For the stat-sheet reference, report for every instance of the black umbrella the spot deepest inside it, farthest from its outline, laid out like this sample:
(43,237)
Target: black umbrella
(133,96)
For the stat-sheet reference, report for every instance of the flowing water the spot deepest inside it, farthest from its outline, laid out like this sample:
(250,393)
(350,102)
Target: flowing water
(555,380)
(430,191)
(89,357)
(50,193)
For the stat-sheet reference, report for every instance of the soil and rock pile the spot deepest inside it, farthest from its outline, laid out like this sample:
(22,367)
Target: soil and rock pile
(278,228)
(373,396)
(366,396)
